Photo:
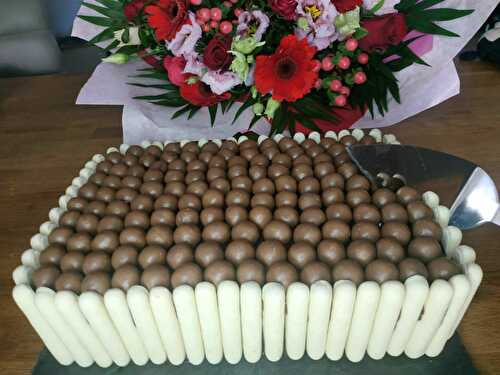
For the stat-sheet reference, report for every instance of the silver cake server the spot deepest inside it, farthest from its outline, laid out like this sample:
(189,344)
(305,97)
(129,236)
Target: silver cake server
(461,184)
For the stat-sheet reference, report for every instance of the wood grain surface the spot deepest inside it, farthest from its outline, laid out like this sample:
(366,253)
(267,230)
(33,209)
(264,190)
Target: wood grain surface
(45,139)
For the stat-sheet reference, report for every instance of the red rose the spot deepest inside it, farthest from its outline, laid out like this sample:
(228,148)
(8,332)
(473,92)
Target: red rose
(343,6)
(216,55)
(132,9)
(166,17)
(199,94)
(175,67)
(383,31)
(285,8)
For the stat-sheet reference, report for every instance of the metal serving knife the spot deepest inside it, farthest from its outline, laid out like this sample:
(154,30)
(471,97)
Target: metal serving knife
(461,184)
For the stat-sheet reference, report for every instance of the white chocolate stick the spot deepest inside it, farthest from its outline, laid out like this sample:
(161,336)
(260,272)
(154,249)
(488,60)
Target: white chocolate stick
(67,304)
(273,296)
(228,294)
(185,305)
(320,305)
(163,309)
(39,242)
(363,316)
(416,291)
(208,312)
(461,289)
(44,299)
(22,275)
(299,137)
(392,295)
(475,274)
(92,306)
(115,301)
(25,298)
(138,303)
(451,238)
(251,320)
(344,297)
(437,303)
(297,302)
(31,258)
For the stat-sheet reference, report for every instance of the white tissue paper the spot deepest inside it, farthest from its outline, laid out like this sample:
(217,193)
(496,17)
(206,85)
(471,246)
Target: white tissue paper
(421,87)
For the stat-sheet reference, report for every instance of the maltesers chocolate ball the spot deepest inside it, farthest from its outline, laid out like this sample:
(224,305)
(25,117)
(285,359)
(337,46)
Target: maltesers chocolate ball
(251,270)
(283,273)
(208,252)
(315,271)
(301,253)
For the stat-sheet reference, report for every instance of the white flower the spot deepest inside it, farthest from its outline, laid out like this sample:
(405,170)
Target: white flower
(220,82)
(186,38)
(133,37)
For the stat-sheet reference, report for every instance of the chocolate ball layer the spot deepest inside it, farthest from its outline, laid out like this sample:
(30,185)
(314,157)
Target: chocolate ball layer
(271,212)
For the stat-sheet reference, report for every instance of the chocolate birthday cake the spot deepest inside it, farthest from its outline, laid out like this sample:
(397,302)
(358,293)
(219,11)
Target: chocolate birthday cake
(242,248)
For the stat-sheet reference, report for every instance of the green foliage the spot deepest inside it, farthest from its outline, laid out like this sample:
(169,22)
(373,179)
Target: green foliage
(419,17)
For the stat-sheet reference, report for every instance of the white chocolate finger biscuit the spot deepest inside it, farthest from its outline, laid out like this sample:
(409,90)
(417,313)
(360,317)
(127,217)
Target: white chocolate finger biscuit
(44,299)
(273,295)
(115,301)
(185,305)
(251,320)
(138,303)
(208,312)
(297,302)
(228,295)
(344,298)
(25,298)
(163,309)
(391,300)
(320,305)
(416,291)
(365,308)
(92,306)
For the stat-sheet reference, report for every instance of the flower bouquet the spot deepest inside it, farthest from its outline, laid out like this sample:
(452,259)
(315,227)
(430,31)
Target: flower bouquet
(301,64)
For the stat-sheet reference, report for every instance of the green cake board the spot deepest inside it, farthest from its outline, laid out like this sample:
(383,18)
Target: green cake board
(453,360)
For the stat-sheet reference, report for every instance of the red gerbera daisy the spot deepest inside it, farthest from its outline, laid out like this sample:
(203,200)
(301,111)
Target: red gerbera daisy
(289,73)
(166,17)
(199,94)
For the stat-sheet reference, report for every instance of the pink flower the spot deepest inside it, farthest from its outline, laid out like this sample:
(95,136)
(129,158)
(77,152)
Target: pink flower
(186,38)
(175,67)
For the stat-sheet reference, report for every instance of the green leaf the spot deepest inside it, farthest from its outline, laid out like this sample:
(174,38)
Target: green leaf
(308,123)
(99,21)
(165,86)
(376,8)
(427,27)
(110,13)
(193,112)
(171,102)
(156,75)
(213,113)
(224,105)
(254,120)
(442,14)
(405,5)
(102,36)
(181,111)
(244,106)
(360,33)
(424,4)
(112,45)
(111,4)
(152,97)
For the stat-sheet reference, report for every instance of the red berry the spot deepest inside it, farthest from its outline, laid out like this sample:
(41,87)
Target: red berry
(363,58)
(351,44)
(344,63)
(195,2)
(234,1)
(204,14)
(225,27)
(227,4)
(327,64)
(214,24)
(205,28)
(344,90)
(317,84)
(359,78)
(335,85)
(215,14)
(340,101)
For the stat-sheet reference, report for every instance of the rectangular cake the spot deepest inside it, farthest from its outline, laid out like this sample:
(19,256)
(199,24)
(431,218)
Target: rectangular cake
(243,249)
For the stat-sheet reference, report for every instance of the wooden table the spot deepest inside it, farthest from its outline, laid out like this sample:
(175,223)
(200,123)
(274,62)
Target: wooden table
(40,126)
